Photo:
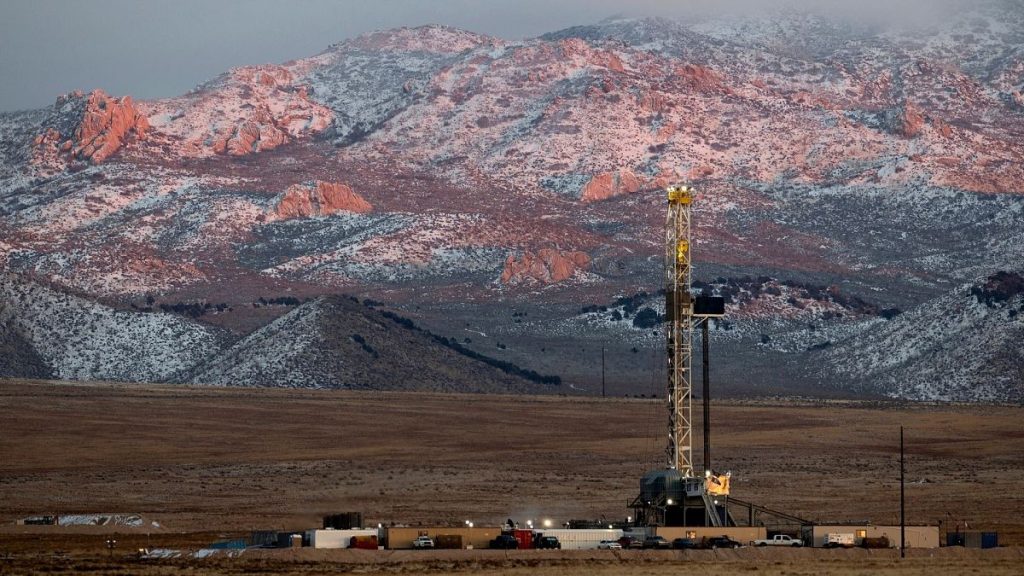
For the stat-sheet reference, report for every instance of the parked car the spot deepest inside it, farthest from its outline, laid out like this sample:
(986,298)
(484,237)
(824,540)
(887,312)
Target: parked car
(505,542)
(609,545)
(656,542)
(685,544)
(721,542)
(631,542)
(423,542)
(548,543)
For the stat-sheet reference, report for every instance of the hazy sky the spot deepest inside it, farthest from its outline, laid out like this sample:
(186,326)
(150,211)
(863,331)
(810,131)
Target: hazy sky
(150,48)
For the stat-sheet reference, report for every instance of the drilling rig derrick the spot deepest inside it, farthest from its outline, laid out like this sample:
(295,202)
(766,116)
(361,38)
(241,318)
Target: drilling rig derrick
(679,339)
(675,496)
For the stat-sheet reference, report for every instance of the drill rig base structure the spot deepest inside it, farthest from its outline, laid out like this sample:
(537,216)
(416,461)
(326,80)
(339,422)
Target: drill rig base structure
(675,496)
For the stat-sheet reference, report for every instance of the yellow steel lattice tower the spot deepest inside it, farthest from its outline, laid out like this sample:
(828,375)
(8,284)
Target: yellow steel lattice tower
(679,309)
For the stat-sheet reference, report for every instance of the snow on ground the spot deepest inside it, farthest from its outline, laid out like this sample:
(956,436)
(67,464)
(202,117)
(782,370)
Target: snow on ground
(84,340)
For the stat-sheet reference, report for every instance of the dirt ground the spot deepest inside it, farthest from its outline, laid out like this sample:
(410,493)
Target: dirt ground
(212,463)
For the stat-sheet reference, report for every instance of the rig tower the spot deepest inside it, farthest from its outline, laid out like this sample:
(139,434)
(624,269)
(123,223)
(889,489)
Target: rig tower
(679,333)
(675,496)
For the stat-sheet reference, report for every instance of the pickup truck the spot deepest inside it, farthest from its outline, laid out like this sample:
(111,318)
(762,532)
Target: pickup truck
(505,542)
(547,543)
(716,542)
(423,542)
(778,540)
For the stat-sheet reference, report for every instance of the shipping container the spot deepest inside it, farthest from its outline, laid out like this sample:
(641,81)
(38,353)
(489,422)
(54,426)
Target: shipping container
(364,542)
(571,539)
(524,537)
(973,539)
(335,538)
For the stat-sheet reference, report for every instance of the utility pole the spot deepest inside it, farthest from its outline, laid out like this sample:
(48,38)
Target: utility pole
(903,509)
(602,371)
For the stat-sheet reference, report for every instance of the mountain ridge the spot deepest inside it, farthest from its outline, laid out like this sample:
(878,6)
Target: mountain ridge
(466,175)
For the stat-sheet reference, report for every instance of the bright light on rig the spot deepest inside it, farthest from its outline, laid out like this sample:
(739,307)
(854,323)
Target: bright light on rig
(547,523)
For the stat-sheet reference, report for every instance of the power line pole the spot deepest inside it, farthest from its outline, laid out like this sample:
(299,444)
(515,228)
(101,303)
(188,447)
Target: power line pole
(903,509)
(602,371)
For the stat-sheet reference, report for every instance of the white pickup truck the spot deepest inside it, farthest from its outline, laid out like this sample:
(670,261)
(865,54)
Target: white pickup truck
(778,540)
(423,542)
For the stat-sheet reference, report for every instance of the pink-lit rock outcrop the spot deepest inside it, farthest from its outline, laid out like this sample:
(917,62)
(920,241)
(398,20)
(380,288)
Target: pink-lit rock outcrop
(319,199)
(609,184)
(101,126)
(546,266)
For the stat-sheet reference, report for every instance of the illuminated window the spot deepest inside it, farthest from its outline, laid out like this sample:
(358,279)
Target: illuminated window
(862,533)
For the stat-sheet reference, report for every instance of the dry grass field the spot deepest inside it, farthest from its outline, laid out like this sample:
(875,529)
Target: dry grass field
(208,463)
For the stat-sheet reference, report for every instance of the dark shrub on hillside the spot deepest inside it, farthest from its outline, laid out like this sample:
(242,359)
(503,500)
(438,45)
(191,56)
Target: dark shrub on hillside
(645,318)
(998,288)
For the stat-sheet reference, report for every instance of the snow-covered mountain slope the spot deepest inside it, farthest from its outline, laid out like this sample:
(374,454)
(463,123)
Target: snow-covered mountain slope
(83,340)
(335,342)
(18,358)
(433,167)
(964,346)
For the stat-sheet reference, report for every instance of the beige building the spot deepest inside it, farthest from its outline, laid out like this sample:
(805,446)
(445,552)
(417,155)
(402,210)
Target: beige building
(400,538)
(743,535)
(916,536)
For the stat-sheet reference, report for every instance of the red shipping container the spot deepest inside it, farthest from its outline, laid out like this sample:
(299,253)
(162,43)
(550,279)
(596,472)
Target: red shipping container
(525,538)
(363,542)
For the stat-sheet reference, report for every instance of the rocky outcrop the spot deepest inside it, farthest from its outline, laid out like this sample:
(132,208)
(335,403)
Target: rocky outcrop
(546,266)
(90,128)
(245,111)
(318,199)
(610,184)
(1017,99)
(908,121)
(699,78)
(943,129)
(254,135)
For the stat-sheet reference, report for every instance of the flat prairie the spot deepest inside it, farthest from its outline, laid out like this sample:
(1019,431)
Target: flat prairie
(200,464)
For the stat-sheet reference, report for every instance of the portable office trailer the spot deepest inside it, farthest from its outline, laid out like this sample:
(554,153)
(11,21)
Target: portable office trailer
(572,539)
(917,536)
(335,538)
